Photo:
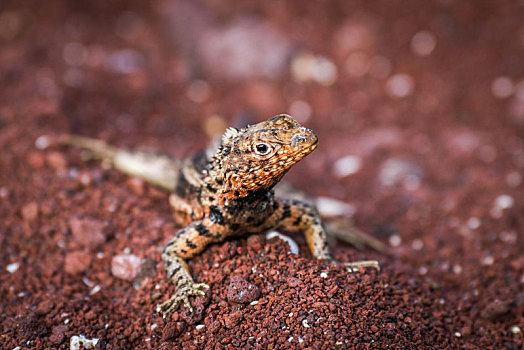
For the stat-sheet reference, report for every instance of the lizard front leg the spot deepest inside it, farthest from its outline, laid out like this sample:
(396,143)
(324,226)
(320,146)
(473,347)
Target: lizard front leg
(295,215)
(185,244)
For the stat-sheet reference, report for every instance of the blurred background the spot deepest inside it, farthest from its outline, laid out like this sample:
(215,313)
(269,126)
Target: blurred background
(418,105)
(401,94)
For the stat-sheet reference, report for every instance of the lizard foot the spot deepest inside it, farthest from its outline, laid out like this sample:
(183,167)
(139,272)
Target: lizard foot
(353,266)
(182,294)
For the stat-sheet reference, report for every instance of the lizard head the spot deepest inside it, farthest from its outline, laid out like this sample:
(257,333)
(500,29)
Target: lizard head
(256,157)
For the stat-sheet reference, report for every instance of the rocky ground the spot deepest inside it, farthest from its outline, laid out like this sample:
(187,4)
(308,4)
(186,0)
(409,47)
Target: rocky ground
(419,108)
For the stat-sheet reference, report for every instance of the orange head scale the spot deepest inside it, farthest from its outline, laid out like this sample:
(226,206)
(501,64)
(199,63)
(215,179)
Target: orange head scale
(257,156)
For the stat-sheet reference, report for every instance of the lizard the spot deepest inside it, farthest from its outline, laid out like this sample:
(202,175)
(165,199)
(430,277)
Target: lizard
(226,190)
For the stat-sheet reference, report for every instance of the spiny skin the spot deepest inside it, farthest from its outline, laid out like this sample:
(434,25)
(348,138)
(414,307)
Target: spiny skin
(228,191)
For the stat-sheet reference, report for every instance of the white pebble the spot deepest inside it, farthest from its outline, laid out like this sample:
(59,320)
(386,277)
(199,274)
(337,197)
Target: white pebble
(324,71)
(11,268)
(396,171)
(253,303)
(42,142)
(293,246)
(125,266)
(502,87)
(330,207)
(417,244)
(153,326)
(323,275)
(487,260)
(504,202)
(79,340)
(347,165)
(95,290)
(306,67)
(516,330)
(395,240)
(400,85)
(423,43)
(457,334)
(305,324)
(457,269)
(473,223)
(300,110)
(199,327)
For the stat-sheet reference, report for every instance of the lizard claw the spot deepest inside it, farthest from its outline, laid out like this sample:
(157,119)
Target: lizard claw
(181,295)
(353,266)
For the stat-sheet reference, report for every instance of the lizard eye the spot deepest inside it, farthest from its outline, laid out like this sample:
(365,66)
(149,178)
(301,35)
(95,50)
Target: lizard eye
(262,149)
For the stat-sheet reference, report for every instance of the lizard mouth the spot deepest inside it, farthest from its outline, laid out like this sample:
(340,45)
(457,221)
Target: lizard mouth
(304,140)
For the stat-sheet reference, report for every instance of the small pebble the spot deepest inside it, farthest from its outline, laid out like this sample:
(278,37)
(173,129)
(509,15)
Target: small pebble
(502,87)
(399,171)
(79,341)
(504,202)
(516,330)
(347,165)
(125,266)
(488,260)
(496,310)
(307,67)
(329,207)
(77,261)
(400,85)
(323,274)
(199,327)
(11,268)
(95,290)
(423,43)
(473,223)
(457,334)
(87,231)
(395,240)
(42,142)
(417,244)
(56,160)
(30,211)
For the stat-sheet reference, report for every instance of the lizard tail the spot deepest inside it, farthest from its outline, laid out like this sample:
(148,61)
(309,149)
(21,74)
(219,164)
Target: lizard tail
(158,169)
